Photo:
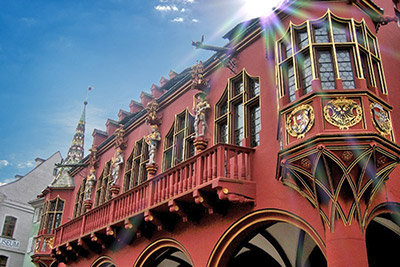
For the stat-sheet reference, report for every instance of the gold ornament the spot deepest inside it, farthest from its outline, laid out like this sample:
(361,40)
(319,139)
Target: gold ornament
(300,121)
(343,113)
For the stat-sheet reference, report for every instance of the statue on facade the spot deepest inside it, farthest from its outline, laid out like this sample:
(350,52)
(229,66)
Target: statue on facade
(152,140)
(89,185)
(116,166)
(200,109)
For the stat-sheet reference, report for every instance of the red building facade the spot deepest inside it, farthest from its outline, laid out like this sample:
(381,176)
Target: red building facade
(280,149)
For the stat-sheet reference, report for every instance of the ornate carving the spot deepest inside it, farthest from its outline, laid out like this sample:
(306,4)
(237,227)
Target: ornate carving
(93,161)
(306,163)
(343,113)
(300,121)
(347,155)
(198,81)
(152,118)
(380,119)
(119,137)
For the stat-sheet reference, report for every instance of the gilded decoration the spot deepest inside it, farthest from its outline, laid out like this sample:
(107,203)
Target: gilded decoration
(380,119)
(300,121)
(197,72)
(343,113)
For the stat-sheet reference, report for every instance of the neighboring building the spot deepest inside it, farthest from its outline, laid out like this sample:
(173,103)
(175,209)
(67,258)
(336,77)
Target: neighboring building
(15,212)
(279,149)
(37,205)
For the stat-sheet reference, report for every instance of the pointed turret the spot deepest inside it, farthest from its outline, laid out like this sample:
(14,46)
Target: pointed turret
(74,155)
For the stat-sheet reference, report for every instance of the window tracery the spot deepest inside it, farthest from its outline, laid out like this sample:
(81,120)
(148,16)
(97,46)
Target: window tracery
(103,193)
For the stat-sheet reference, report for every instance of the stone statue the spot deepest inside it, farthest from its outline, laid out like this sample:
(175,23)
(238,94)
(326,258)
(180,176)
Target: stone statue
(89,185)
(200,114)
(116,166)
(152,140)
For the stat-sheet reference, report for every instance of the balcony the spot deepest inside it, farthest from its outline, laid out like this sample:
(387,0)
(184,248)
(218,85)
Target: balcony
(206,183)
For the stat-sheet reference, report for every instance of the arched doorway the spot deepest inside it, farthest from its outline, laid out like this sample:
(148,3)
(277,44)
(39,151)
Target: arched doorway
(103,261)
(269,238)
(383,239)
(164,253)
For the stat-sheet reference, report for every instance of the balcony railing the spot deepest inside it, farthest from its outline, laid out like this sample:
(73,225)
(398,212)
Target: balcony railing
(222,162)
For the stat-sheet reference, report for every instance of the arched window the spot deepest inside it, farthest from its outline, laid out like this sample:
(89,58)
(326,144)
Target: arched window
(330,51)
(52,214)
(178,143)
(103,193)
(3,261)
(9,226)
(135,169)
(79,208)
(238,111)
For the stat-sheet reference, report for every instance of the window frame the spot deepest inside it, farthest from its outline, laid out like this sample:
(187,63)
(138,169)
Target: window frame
(103,193)
(79,208)
(170,140)
(231,99)
(8,225)
(135,167)
(47,212)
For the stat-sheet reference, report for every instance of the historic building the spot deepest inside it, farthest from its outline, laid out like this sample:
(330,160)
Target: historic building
(279,149)
(16,213)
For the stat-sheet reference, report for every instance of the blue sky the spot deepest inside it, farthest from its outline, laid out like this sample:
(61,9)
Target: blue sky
(52,51)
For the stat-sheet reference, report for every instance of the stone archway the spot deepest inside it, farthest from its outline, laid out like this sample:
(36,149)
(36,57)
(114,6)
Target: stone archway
(273,237)
(164,252)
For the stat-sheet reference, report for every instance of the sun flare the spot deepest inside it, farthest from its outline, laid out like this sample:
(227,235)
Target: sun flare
(258,8)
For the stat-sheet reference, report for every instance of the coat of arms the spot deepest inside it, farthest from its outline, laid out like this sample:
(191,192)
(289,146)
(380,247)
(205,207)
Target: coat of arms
(380,119)
(343,113)
(300,121)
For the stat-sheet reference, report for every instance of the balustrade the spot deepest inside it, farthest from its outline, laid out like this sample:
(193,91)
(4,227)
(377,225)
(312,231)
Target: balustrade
(220,161)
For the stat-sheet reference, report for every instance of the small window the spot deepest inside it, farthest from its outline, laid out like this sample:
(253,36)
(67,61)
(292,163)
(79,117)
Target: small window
(3,261)
(302,39)
(346,70)
(9,226)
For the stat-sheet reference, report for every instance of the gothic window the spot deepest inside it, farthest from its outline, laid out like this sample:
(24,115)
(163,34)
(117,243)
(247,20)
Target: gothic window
(9,226)
(52,214)
(79,208)
(332,51)
(135,169)
(238,113)
(103,193)
(3,261)
(178,143)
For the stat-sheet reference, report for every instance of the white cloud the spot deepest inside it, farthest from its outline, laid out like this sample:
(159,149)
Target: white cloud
(183,10)
(188,1)
(24,165)
(165,8)
(195,20)
(177,19)
(4,163)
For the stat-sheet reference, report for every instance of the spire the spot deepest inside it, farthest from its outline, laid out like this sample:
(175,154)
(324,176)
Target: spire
(74,155)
